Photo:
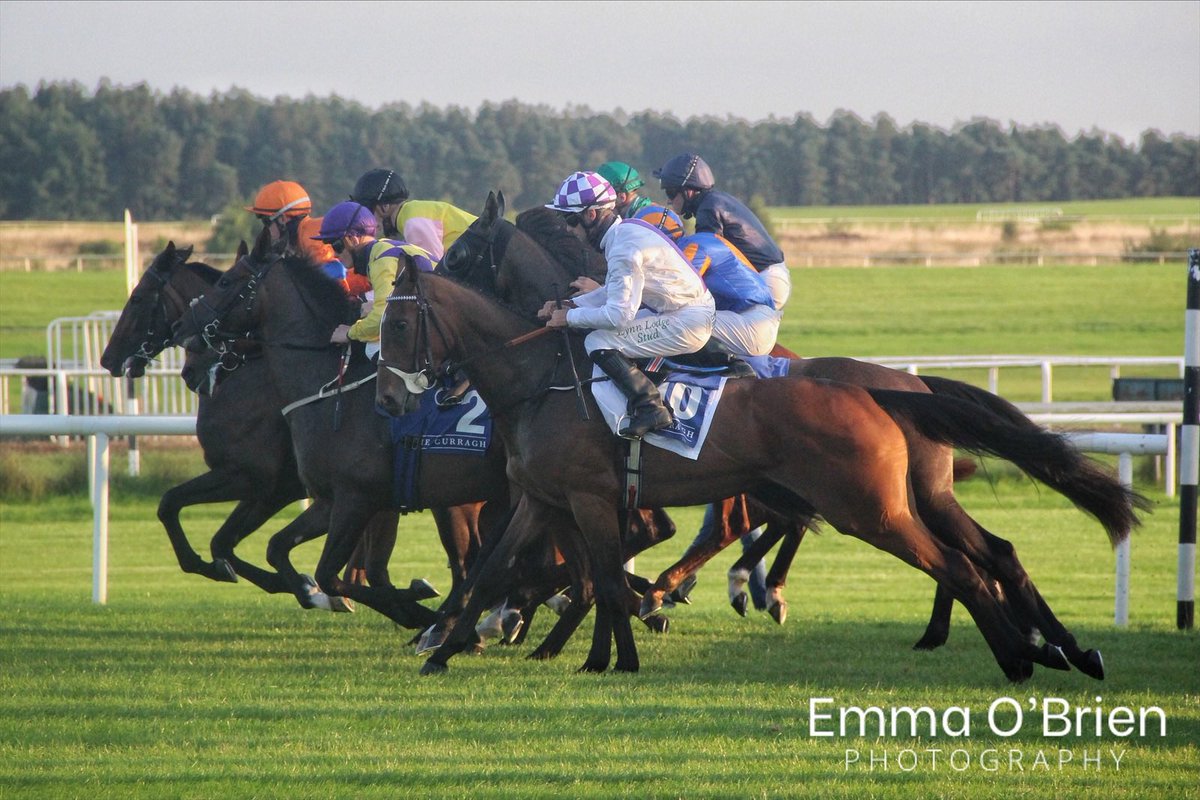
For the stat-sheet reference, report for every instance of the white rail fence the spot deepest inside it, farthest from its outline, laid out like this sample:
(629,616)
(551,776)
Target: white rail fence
(100,429)
(79,383)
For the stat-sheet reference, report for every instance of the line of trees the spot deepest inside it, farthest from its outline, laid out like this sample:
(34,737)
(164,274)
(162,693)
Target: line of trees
(67,153)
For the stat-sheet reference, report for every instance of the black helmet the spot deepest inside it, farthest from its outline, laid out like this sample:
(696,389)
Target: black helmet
(685,171)
(379,186)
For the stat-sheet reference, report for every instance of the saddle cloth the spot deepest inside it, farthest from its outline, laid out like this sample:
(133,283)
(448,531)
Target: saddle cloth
(692,397)
(464,428)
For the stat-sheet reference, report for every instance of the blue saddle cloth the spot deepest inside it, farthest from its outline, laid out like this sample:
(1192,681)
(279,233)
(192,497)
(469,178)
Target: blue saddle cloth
(464,428)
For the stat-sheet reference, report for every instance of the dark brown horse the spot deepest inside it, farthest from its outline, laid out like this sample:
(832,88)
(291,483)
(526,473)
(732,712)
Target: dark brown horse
(245,441)
(526,264)
(803,446)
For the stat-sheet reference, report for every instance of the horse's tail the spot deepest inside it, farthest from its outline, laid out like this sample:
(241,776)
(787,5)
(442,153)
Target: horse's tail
(1041,454)
(948,387)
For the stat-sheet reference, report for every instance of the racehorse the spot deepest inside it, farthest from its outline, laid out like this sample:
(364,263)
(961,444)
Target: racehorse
(803,445)
(518,265)
(245,441)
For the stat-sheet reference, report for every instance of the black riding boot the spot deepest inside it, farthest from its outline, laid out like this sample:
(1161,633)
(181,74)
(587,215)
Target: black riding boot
(716,354)
(646,410)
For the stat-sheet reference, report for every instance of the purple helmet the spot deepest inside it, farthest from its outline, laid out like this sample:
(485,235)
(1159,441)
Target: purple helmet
(664,219)
(346,219)
(584,190)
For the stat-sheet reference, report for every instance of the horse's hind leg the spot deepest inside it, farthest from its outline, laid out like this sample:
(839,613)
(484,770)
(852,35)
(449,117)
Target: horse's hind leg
(211,487)
(739,573)
(777,575)
(938,629)
(728,526)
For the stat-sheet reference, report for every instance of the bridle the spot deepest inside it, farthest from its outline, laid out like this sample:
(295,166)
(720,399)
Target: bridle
(427,373)
(210,332)
(496,239)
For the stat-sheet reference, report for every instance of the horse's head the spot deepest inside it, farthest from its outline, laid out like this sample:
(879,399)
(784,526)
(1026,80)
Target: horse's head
(406,347)
(475,255)
(523,265)
(144,327)
(229,309)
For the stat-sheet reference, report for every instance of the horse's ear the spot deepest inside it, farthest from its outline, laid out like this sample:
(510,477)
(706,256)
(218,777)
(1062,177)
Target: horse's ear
(500,204)
(242,251)
(489,208)
(168,253)
(262,245)
(184,253)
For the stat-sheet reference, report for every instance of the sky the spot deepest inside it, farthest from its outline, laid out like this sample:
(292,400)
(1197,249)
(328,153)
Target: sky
(1116,67)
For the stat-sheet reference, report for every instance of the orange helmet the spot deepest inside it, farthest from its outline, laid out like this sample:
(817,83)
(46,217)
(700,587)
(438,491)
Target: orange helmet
(281,199)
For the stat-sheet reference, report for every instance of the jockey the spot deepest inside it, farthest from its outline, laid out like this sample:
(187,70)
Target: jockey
(283,208)
(429,224)
(747,322)
(651,303)
(626,181)
(688,183)
(350,227)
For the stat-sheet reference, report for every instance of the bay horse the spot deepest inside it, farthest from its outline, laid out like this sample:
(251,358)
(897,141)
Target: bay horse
(245,441)
(520,265)
(805,446)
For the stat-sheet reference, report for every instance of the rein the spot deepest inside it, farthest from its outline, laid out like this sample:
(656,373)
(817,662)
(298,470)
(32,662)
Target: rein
(417,382)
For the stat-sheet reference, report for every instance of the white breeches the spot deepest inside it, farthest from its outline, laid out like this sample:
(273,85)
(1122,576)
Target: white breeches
(671,333)
(779,281)
(748,333)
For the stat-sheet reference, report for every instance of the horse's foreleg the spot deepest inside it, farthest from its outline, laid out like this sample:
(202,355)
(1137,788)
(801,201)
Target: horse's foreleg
(248,517)
(211,487)
(486,582)
(600,533)
(311,523)
(938,629)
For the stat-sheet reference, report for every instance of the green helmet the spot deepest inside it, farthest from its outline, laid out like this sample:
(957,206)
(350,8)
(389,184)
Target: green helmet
(623,177)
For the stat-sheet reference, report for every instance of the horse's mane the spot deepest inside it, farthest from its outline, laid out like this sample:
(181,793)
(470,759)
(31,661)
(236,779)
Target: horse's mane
(546,227)
(328,296)
(205,272)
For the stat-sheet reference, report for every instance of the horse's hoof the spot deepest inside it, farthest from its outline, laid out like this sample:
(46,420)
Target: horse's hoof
(341,605)
(490,627)
(658,623)
(778,612)
(1052,657)
(222,571)
(683,591)
(558,604)
(541,655)
(422,589)
(593,668)
(430,640)
(510,626)
(1092,664)
(739,603)
(476,649)
(651,602)
(432,667)
(932,640)
(1018,671)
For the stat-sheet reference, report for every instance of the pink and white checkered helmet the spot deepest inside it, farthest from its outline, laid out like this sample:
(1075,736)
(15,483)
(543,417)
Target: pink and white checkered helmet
(584,190)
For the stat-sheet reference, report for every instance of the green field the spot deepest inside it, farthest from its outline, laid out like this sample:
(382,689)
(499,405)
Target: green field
(180,687)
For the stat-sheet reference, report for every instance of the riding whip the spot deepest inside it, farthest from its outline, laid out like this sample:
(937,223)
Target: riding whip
(583,412)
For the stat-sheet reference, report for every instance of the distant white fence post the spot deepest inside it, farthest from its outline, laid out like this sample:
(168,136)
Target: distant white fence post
(1121,604)
(99,471)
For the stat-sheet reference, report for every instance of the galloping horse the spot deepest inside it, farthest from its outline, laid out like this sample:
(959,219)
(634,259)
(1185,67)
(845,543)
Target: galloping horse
(804,446)
(517,265)
(245,441)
